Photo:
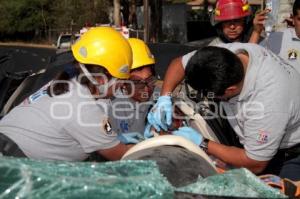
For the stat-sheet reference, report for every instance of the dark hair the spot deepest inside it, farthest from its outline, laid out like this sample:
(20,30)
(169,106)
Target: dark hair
(214,69)
(296,7)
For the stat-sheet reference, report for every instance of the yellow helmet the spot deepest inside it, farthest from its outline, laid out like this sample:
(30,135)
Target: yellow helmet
(142,55)
(106,47)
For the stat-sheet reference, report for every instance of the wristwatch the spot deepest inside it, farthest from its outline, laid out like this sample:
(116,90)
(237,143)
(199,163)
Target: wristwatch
(204,145)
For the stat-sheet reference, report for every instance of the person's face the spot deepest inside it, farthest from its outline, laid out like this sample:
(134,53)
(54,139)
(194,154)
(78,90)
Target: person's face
(233,29)
(143,84)
(296,21)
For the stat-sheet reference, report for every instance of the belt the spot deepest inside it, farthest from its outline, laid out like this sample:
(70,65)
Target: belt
(9,148)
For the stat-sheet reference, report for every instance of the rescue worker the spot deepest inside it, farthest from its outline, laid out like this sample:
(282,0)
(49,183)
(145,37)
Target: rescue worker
(286,43)
(68,120)
(261,98)
(135,98)
(232,22)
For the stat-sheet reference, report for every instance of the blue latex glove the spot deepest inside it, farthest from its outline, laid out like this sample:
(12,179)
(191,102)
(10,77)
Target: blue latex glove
(130,138)
(160,116)
(147,133)
(190,134)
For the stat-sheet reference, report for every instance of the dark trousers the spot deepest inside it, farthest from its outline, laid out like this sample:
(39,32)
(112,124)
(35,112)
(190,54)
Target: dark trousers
(291,169)
(286,164)
(9,148)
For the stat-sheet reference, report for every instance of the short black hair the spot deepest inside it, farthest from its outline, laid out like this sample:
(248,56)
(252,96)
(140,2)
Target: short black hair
(214,69)
(296,7)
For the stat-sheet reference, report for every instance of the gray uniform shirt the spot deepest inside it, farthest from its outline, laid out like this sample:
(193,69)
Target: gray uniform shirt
(128,115)
(64,127)
(286,44)
(266,114)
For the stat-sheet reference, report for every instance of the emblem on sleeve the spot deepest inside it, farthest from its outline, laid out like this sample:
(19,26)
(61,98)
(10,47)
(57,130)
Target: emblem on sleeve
(292,54)
(262,137)
(107,128)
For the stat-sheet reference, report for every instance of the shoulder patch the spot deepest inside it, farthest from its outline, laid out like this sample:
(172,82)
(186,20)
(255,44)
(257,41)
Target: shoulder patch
(293,54)
(107,129)
(262,137)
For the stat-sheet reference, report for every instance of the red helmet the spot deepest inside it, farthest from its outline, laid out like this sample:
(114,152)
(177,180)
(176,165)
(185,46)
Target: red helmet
(231,9)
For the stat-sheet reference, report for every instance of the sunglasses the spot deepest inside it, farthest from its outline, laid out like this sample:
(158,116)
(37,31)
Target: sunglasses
(141,84)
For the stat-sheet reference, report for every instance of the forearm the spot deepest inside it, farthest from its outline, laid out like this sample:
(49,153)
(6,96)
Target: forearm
(258,26)
(254,38)
(235,156)
(174,75)
(115,153)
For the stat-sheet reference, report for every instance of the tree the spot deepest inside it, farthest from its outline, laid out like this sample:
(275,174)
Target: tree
(117,12)
(34,18)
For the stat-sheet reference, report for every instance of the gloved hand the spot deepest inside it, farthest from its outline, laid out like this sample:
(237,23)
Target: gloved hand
(160,116)
(147,133)
(130,138)
(190,134)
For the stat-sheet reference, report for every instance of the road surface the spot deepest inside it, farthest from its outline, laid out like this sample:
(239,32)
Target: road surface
(28,58)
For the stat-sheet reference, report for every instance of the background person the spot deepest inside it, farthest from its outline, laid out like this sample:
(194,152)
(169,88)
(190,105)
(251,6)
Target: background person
(69,119)
(233,23)
(286,43)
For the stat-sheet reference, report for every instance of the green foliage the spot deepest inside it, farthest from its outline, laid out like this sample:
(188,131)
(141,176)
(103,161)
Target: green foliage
(23,16)
(20,15)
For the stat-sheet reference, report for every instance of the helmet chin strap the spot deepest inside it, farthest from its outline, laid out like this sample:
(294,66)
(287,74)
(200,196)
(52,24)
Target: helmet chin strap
(101,88)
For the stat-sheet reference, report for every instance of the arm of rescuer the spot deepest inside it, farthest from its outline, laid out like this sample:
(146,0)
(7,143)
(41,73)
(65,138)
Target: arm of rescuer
(160,116)
(235,156)
(258,26)
(229,154)
(174,75)
(116,152)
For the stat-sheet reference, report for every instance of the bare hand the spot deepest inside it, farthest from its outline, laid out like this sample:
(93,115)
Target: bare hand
(259,20)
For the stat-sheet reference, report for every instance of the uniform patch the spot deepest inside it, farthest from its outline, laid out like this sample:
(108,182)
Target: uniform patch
(35,97)
(262,137)
(124,126)
(107,128)
(293,54)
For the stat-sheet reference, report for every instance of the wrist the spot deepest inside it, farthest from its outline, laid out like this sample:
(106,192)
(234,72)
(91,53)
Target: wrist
(164,97)
(166,93)
(257,31)
(204,145)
